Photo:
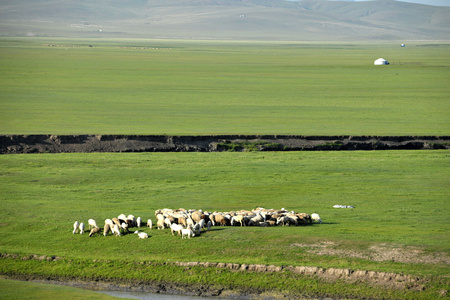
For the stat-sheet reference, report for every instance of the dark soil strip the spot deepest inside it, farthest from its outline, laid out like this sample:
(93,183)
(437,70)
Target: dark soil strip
(15,144)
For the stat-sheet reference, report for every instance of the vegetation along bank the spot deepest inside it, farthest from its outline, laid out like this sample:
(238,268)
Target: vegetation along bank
(14,144)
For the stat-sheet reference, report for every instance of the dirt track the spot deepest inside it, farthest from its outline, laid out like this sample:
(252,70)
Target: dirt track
(15,144)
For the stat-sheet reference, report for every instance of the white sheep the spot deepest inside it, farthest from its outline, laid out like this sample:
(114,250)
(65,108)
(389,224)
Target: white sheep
(81,228)
(176,228)
(187,233)
(167,222)
(283,220)
(141,235)
(202,224)
(116,230)
(110,223)
(316,218)
(124,226)
(149,223)
(92,223)
(208,225)
(196,229)
(189,222)
(238,219)
(138,222)
(75,227)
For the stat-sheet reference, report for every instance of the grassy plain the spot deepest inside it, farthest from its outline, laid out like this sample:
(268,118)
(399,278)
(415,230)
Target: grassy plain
(222,87)
(400,199)
(212,87)
(16,290)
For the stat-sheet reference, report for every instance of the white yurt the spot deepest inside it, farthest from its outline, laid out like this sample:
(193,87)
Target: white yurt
(380,62)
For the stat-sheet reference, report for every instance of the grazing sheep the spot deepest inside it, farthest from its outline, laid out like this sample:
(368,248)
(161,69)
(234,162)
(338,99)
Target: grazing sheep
(131,220)
(238,219)
(196,228)
(196,216)
(81,228)
(109,222)
(293,219)
(117,221)
(176,228)
(304,218)
(106,230)
(138,222)
(316,218)
(208,225)
(271,222)
(283,221)
(124,226)
(257,219)
(212,218)
(95,230)
(159,217)
(167,223)
(202,224)
(141,235)
(149,223)
(75,227)
(116,230)
(187,233)
(252,222)
(92,223)
(221,220)
(122,218)
(189,222)
(182,221)
(160,224)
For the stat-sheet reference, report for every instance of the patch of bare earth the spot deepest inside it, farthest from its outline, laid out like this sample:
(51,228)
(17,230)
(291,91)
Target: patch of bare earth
(380,252)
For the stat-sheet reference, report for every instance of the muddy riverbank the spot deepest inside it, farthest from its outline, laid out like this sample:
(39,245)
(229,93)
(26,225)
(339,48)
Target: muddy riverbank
(16,144)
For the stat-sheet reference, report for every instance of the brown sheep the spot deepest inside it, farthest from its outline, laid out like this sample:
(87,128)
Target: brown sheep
(271,222)
(196,216)
(116,221)
(106,230)
(304,218)
(182,221)
(221,220)
(95,230)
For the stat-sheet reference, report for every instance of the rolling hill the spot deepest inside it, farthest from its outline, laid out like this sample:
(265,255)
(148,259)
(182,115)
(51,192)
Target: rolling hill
(226,19)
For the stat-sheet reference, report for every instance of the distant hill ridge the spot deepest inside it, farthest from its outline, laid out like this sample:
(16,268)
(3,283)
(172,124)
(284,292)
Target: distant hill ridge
(226,19)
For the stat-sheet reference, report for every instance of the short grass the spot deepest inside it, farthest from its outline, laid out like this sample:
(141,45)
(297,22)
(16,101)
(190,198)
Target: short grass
(214,87)
(399,198)
(12,290)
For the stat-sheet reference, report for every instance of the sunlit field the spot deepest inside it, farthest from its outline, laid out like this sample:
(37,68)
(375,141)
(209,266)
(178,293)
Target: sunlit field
(213,87)
(399,222)
(400,200)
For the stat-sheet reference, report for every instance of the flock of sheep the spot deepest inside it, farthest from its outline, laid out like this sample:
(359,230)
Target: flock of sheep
(188,223)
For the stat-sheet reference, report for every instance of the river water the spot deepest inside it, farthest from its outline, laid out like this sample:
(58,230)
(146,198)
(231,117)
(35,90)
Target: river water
(152,296)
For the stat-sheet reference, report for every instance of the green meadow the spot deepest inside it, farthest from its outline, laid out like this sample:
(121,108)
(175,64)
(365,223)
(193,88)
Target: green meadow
(400,222)
(222,87)
(400,199)
(16,290)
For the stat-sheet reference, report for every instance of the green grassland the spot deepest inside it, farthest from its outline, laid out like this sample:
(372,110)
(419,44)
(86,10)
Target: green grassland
(400,199)
(222,87)
(225,87)
(13,290)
